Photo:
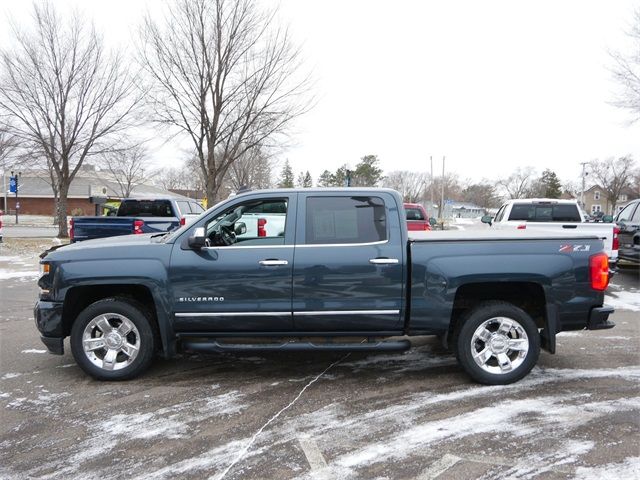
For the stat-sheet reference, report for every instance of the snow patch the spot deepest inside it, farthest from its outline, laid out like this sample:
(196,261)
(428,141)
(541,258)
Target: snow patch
(623,300)
(630,468)
(26,275)
(7,376)
(33,350)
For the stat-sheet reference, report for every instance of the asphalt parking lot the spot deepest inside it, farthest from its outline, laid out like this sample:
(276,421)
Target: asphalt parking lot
(329,416)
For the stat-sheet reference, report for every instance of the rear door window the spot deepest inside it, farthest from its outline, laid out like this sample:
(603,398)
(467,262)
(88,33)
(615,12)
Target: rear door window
(345,220)
(533,212)
(146,208)
(414,214)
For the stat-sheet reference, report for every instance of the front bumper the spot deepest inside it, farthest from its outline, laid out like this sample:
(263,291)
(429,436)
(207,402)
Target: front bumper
(598,318)
(48,316)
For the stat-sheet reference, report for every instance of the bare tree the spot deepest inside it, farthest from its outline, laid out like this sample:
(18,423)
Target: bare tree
(128,166)
(223,73)
(8,146)
(252,170)
(519,183)
(64,94)
(626,71)
(411,185)
(614,176)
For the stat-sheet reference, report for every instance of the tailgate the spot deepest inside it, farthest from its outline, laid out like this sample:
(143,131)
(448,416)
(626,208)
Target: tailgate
(159,224)
(88,228)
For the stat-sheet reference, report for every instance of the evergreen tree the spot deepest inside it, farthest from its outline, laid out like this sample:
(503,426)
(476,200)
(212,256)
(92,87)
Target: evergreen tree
(286,177)
(367,172)
(551,186)
(307,181)
(326,179)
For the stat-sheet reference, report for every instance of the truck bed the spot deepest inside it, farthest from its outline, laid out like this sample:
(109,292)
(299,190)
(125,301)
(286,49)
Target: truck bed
(468,235)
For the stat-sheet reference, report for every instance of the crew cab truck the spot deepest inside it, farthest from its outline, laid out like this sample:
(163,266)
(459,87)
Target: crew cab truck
(136,216)
(343,268)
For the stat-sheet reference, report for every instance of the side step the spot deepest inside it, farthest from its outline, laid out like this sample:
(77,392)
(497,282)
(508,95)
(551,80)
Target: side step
(214,346)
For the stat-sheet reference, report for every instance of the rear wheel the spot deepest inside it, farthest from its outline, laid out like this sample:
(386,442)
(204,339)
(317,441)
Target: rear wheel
(498,343)
(113,339)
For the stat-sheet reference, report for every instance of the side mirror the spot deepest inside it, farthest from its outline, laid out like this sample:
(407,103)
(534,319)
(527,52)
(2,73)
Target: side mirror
(607,218)
(432,221)
(198,238)
(487,219)
(241,228)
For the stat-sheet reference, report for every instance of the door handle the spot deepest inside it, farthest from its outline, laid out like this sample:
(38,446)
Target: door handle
(273,263)
(384,261)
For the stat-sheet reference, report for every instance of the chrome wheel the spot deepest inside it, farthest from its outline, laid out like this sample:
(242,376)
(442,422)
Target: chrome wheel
(111,341)
(499,345)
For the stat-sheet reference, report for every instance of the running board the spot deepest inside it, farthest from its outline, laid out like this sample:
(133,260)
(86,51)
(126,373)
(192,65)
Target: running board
(216,347)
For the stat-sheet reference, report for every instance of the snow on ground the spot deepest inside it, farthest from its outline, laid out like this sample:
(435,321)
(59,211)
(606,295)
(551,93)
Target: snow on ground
(623,300)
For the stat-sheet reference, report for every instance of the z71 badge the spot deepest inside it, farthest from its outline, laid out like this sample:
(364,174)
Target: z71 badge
(574,248)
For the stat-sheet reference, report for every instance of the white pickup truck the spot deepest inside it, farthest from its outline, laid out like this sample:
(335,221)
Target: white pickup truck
(552,215)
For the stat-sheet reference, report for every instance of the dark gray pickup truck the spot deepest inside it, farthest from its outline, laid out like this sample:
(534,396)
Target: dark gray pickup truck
(342,275)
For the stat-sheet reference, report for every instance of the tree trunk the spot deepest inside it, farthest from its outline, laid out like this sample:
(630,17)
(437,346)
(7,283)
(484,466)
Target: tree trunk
(61,214)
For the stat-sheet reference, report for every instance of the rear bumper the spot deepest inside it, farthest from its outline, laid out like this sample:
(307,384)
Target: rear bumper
(598,318)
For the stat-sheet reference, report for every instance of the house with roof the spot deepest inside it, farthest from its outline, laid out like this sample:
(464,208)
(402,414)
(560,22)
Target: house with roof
(36,196)
(595,200)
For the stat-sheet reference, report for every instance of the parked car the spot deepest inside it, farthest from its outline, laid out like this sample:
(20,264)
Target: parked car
(628,221)
(417,219)
(345,268)
(552,215)
(136,216)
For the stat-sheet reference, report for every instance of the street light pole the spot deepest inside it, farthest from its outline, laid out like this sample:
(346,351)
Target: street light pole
(17,186)
(584,174)
(442,191)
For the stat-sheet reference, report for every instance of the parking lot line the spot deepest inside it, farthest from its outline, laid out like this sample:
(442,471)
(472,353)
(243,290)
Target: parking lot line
(439,467)
(312,452)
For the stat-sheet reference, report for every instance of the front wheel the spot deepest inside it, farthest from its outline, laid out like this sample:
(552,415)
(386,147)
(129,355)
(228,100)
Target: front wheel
(498,343)
(113,339)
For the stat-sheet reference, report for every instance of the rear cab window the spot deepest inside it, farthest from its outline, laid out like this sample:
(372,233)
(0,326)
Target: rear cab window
(414,214)
(539,212)
(146,208)
(345,220)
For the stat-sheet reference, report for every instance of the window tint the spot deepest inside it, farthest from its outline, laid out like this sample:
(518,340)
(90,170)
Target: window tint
(414,214)
(331,220)
(544,213)
(626,212)
(145,208)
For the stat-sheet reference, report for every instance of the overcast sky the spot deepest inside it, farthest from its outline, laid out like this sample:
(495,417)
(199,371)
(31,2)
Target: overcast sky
(492,85)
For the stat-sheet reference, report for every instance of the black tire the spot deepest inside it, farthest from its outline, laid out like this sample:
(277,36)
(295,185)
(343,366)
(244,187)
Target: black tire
(144,334)
(499,375)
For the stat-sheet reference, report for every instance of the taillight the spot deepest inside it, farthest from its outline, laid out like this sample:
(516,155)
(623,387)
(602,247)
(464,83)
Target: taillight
(616,240)
(427,226)
(137,227)
(522,227)
(599,271)
(262,232)
(71,229)
(183,221)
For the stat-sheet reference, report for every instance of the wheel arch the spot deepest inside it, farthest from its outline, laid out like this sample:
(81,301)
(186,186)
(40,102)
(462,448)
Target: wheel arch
(529,296)
(79,297)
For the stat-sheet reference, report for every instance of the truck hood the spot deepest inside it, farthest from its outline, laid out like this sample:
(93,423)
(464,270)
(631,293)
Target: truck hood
(100,247)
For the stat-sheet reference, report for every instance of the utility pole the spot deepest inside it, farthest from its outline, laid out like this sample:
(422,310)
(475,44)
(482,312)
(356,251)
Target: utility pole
(442,192)
(4,189)
(584,174)
(431,185)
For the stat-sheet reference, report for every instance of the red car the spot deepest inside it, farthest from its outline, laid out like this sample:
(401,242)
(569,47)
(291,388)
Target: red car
(417,219)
